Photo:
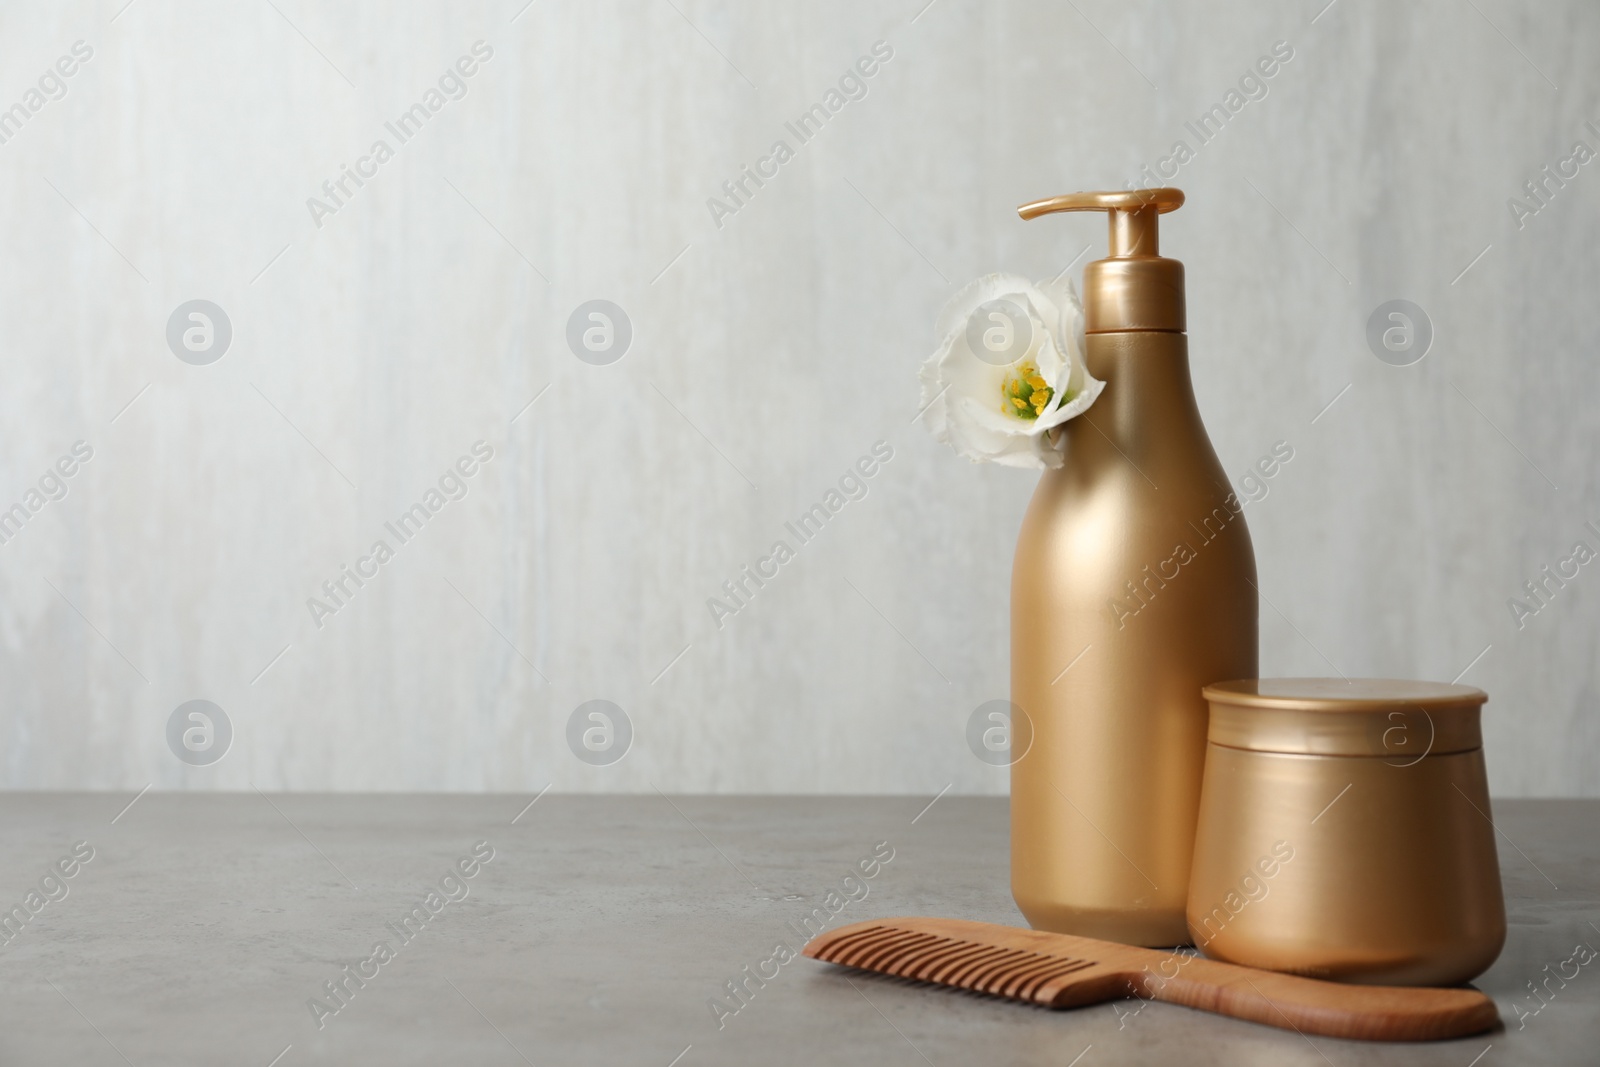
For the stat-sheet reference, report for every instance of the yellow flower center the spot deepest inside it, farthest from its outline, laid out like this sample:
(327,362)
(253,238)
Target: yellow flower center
(1026,395)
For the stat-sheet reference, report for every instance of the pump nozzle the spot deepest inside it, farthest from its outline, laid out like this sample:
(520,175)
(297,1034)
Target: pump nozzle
(1135,288)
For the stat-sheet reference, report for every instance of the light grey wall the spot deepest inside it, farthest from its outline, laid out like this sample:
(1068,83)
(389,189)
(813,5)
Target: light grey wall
(768,354)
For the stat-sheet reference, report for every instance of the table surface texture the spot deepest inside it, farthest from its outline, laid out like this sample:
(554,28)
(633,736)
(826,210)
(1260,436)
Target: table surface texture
(228,928)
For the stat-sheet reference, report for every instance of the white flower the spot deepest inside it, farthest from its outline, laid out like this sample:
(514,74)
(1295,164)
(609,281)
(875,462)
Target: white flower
(1008,371)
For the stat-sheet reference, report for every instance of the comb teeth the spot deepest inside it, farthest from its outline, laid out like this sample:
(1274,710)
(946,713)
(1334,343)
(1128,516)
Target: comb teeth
(1006,972)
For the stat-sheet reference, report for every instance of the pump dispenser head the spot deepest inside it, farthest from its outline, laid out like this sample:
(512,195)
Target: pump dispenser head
(1135,288)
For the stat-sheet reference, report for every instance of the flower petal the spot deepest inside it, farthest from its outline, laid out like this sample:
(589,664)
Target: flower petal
(965,395)
(959,308)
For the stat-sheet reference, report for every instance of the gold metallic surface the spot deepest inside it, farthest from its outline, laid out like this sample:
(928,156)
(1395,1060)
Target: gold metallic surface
(1164,199)
(1400,720)
(1133,586)
(1134,289)
(1393,877)
(1345,695)
(1135,293)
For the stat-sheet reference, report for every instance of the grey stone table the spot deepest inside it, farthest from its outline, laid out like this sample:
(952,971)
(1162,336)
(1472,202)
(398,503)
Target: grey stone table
(210,928)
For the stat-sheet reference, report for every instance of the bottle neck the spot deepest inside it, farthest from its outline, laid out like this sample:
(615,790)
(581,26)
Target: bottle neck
(1148,405)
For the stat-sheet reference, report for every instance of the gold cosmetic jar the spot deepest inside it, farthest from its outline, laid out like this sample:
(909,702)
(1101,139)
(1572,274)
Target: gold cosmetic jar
(1345,833)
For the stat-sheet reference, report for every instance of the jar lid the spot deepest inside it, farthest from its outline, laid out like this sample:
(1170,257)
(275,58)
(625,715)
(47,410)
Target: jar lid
(1399,719)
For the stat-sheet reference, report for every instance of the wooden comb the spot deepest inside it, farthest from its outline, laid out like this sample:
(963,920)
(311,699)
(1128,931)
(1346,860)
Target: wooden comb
(1063,971)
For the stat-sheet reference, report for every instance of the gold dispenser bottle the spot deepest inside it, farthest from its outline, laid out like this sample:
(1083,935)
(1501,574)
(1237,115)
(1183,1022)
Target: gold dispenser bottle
(1133,587)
